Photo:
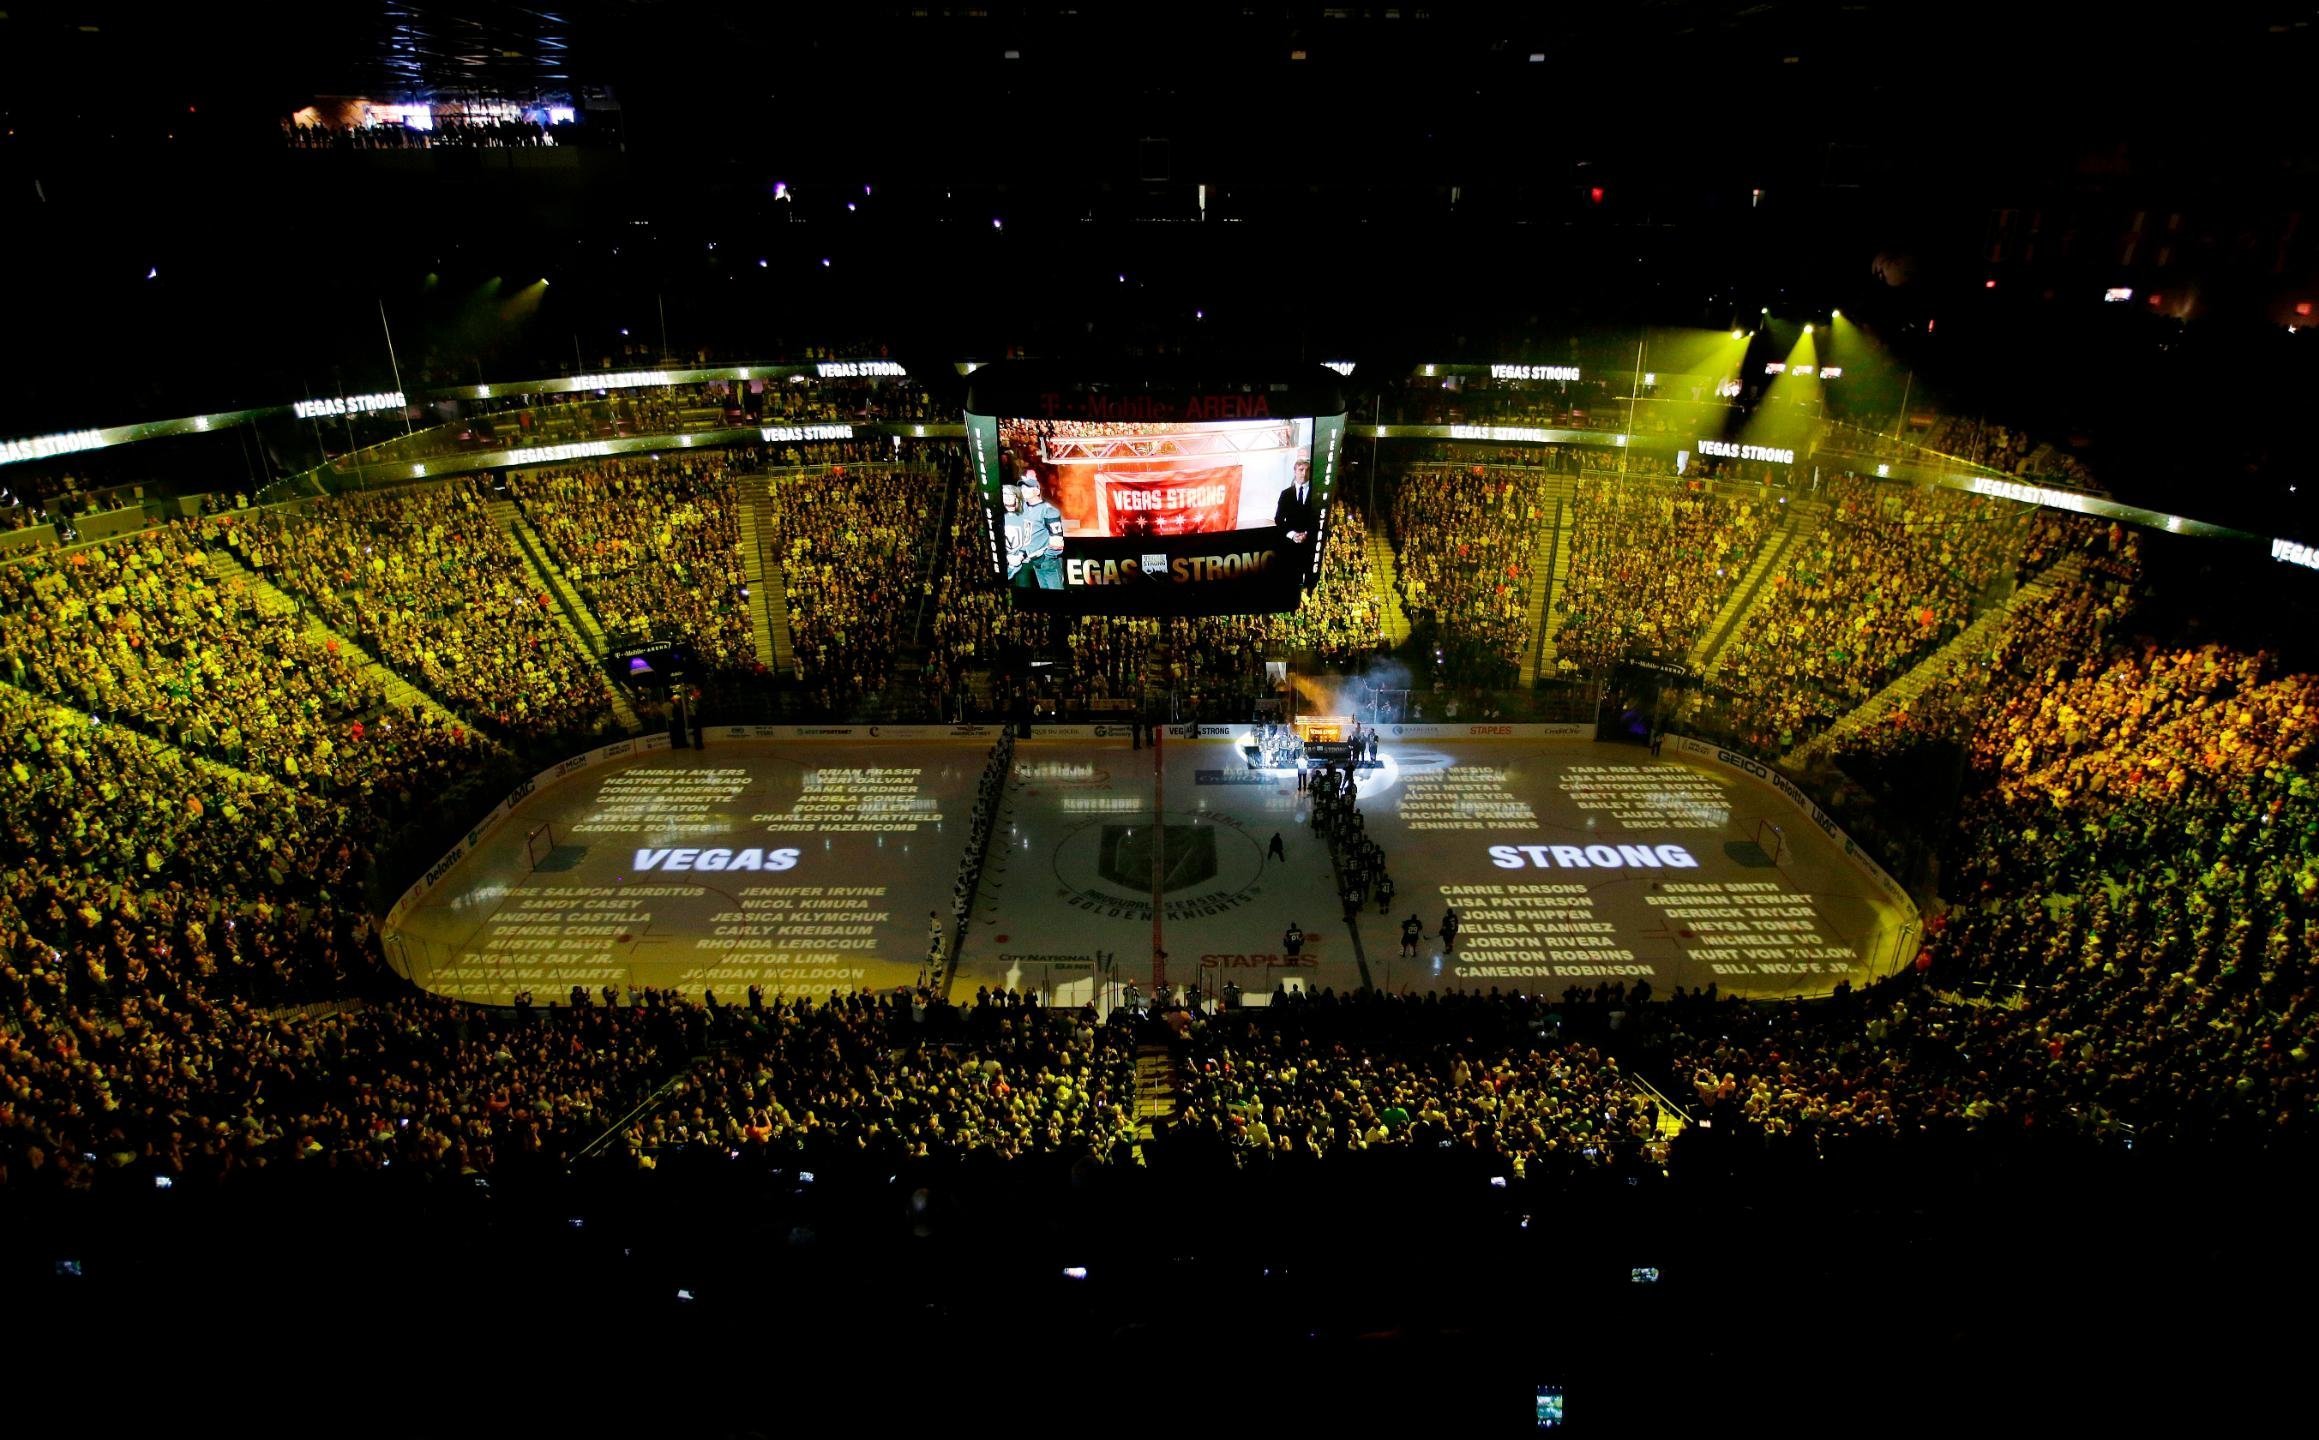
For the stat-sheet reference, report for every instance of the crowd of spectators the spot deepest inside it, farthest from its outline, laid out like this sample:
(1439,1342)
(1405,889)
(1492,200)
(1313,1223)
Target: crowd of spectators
(1341,620)
(1478,1077)
(906,1078)
(190,985)
(32,495)
(2033,648)
(443,132)
(1467,538)
(430,583)
(2128,948)
(2001,447)
(1650,567)
(811,400)
(190,988)
(856,546)
(1893,573)
(654,545)
(140,632)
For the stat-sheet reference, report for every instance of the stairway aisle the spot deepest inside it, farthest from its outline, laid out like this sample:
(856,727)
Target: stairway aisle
(226,567)
(571,616)
(1965,646)
(773,613)
(1802,521)
(1155,1092)
(1551,559)
(753,576)
(1384,581)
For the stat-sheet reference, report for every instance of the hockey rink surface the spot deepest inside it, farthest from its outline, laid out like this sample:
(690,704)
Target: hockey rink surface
(1569,863)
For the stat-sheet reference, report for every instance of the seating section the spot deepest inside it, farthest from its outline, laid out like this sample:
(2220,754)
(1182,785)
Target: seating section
(1400,1080)
(2126,947)
(140,631)
(1894,573)
(429,582)
(855,545)
(1650,567)
(654,546)
(1466,539)
(201,798)
(998,1086)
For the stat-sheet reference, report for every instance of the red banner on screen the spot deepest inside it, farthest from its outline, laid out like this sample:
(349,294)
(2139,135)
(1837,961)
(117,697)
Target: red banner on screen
(1169,501)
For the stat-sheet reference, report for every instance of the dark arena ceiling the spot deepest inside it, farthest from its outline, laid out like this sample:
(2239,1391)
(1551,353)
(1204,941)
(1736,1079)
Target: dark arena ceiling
(1401,181)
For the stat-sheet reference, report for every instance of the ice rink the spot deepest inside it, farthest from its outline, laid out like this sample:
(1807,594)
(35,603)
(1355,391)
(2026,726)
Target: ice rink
(1563,858)
(810,865)
(827,858)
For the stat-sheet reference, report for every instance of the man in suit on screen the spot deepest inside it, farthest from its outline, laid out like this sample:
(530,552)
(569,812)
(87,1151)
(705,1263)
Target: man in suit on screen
(1298,515)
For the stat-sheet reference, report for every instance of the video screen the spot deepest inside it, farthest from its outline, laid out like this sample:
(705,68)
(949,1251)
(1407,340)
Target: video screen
(1549,1407)
(1149,517)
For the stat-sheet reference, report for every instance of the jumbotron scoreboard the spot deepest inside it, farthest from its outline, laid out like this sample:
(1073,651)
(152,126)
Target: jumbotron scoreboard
(1155,494)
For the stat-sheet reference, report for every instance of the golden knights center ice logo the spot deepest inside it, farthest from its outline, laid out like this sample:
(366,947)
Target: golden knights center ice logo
(1207,867)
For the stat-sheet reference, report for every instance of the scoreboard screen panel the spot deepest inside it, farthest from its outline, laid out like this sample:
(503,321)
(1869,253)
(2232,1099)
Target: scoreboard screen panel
(1211,504)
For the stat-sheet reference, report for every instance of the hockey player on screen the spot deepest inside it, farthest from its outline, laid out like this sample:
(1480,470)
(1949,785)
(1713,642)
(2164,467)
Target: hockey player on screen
(1018,542)
(1043,533)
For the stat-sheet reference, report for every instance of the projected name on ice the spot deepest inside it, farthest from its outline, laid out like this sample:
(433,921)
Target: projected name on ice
(1533,372)
(774,434)
(1183,570)
(1729,451)
(716,859)
(348,404)
(1592,857)
(848,369)
(2288,551)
